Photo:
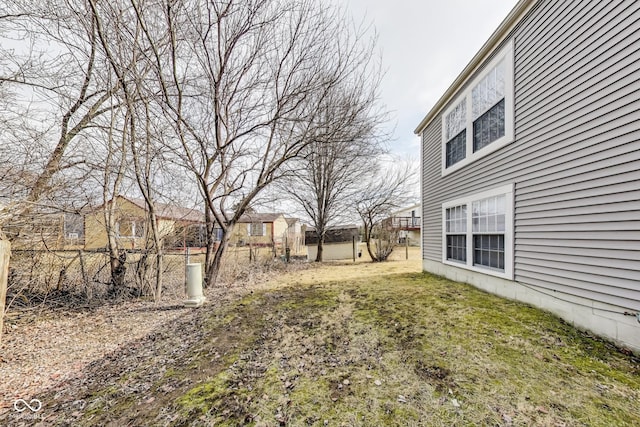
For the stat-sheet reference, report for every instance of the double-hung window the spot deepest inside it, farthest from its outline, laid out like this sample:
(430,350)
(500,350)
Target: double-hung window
(129,228)
(456,134)
(478,232)
(257,229)
(480,120)
(456,233)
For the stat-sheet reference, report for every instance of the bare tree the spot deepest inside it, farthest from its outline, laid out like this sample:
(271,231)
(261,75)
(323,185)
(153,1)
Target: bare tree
(246,85)
(346,140)
(120,39)
(51,93)
(113,174)
(50,69)
(325,181)
(386,189)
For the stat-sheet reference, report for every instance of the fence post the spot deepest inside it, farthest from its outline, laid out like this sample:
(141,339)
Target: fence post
(406,246)
(354,248)
(5,253)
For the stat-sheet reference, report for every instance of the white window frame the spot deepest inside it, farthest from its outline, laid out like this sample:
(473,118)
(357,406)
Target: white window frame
(507,191)
(507,54)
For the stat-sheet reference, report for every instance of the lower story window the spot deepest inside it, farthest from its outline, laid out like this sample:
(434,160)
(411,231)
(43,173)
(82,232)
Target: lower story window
(457,248)
(256,229)
(478,232)
(488,250)
(129,228)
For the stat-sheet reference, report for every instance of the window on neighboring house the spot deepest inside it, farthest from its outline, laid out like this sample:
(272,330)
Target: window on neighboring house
(73,226)
(129,228)
(257,229)
(480,120)
(478,232)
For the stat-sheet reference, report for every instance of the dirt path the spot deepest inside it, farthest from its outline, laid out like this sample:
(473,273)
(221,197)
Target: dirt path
(56,346)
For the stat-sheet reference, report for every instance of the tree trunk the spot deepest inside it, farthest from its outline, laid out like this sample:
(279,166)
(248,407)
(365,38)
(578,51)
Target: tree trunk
(320,250)
(210,261)
(159,267)
(117,260)
(367,238)
(118,270)
(213,269)
(157,248)
(5,254)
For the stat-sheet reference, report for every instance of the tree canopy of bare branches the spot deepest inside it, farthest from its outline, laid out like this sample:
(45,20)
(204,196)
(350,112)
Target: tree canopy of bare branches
(217,99)
(53,90)
(247,87)
(342,146)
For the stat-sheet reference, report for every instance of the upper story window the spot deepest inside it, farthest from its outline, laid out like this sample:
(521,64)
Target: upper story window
(480,120)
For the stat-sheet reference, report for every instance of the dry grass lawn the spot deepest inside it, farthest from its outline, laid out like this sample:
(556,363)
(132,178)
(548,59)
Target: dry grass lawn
(361,344)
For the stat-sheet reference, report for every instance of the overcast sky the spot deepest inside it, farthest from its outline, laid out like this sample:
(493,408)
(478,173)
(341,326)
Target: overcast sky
(425,44)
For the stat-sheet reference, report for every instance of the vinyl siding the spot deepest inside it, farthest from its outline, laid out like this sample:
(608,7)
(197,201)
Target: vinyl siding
(575,161)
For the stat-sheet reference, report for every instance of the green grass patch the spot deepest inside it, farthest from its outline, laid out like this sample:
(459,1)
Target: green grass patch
(397,350)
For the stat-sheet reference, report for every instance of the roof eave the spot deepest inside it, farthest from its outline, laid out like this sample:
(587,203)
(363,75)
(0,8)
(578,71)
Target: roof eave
(498,36)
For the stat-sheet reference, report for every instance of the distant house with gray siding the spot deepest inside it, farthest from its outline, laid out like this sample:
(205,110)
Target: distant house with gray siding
(531,165)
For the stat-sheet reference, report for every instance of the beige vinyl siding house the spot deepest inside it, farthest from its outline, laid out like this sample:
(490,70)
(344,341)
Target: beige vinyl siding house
(178,226)
(261,229)
(531,165)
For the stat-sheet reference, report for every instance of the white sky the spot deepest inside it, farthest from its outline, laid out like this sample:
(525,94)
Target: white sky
(425,44)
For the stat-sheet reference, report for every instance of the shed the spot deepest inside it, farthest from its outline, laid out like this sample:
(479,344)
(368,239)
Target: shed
(338,242)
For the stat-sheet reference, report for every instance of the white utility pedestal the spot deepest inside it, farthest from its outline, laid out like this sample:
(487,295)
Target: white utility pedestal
(195,297)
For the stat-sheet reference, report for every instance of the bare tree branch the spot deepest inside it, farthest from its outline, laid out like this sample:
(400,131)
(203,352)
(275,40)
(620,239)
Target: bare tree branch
(383,192)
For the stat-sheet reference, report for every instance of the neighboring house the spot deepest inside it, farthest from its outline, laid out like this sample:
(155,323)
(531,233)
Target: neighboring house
(407,221)
(294,236)
(531,166)
(41,230)
(179,227)
(338,243)
(260,229)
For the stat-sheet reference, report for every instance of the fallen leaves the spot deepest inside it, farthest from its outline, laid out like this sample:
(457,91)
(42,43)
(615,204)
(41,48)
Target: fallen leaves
(307,355)
(43,353)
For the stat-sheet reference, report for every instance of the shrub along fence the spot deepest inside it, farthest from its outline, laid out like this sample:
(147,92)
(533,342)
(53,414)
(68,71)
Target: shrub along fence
(82,277)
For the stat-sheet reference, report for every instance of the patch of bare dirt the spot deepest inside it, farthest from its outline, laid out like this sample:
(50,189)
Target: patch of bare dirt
(40,353)
(59,355)
(47,348)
